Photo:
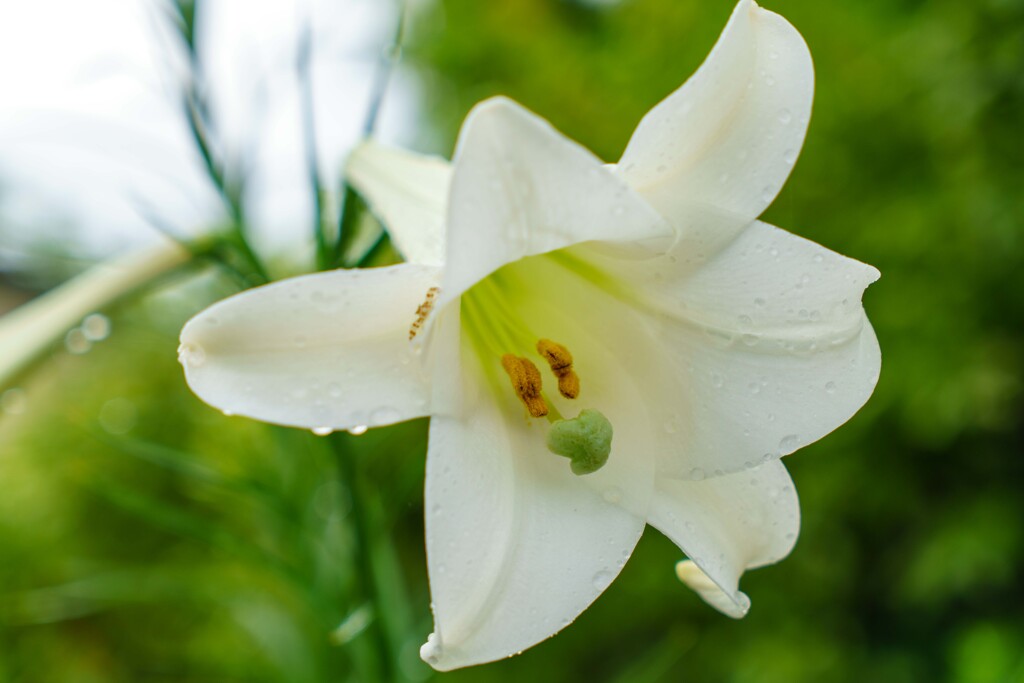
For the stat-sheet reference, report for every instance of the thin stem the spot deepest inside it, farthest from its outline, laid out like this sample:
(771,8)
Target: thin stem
(197,117)
(303,66)
(349,209)
(368,586)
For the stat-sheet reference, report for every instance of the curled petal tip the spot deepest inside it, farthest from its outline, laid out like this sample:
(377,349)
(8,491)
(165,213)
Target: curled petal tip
(735,605)
(430,651)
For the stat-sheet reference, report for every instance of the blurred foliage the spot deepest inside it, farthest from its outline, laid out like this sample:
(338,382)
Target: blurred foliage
(146,537)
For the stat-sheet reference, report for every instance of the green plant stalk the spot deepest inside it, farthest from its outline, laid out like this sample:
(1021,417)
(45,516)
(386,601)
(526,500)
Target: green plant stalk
(365,531)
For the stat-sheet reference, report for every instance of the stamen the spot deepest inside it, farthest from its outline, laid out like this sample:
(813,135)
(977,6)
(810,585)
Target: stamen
(526,382)
(560,360)
(422,311)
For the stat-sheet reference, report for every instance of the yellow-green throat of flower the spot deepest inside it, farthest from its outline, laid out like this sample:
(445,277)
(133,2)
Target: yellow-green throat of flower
(493,316)
(585,439)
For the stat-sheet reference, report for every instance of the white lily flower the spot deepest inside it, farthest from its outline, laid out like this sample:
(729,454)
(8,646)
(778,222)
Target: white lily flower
(704,343)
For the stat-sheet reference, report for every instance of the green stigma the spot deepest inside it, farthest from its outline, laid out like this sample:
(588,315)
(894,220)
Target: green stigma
(586,440)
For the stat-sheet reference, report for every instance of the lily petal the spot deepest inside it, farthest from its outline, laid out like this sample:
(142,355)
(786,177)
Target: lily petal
(326,351)
(778,350)
(408,192)
(735,605)
(767,347)
(727,525)
(522,188)
(731,134)
(517,545)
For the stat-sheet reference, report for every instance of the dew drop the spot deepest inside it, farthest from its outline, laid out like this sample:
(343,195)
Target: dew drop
(750,339)
(767,194)
(697,474)
(322,431)
(759,302)
(96,327)
(769,81)
(785,117)
(358,430)
(191,355)
(745,320)
(830,387)
(430,652)
(76,342)
(754,388)
(789,156)
(602,579)
(612,495)
(788,444)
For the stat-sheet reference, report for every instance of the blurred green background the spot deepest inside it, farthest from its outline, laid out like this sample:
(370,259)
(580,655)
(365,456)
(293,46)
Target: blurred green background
(146,537)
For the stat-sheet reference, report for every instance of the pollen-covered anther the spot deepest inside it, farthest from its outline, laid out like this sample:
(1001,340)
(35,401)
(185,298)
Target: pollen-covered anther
(560,360)
(526,382)
(422,311)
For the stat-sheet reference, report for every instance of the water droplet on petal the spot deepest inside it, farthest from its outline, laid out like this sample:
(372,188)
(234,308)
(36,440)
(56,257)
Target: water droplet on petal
(830,387)
(358,430)
(788,444)
(789,156)
(602,579)
(612,495)
(785,117)
(191,355)
(697,474)
(322,431)
(430,652)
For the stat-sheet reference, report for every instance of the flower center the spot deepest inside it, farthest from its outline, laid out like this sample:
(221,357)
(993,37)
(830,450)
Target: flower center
(501,338)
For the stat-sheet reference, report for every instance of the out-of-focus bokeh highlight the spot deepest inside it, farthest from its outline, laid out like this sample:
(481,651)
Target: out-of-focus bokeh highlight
(146,537)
